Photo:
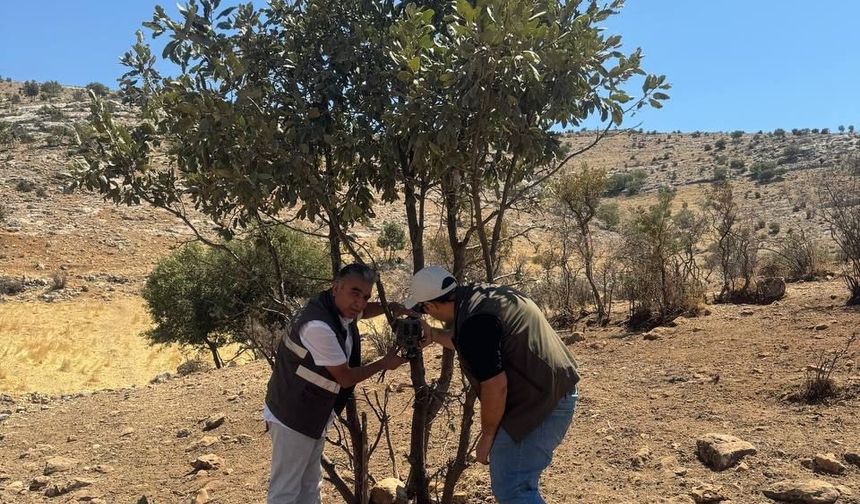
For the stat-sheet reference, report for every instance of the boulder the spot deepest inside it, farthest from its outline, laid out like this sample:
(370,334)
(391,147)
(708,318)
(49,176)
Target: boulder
(721,451)
(58,464)
(770,289)
(707,494)
(388,491)
(827,463)
(803,492)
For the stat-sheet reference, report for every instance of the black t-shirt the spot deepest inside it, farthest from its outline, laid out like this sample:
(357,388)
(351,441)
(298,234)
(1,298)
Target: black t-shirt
(479,343)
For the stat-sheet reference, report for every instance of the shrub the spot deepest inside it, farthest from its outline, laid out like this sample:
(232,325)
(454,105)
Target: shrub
(629,183)
(819,385)
(737,164)
(720,174)
(707,147)
(790,154)
(190,366)
(825,131)
(839,194)
(15,99)
(25,185)
(31,89)
(608,216)
(720,144)
(660,278)
(798,256)
(779,132)
(51,88)
(58,280)
(765,172)
(9,286)
(79,95)
(51,113)
(773,228)
(737,135)
(734,251)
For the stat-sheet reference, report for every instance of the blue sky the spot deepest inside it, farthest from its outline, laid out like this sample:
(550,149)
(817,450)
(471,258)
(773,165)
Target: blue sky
(733,64)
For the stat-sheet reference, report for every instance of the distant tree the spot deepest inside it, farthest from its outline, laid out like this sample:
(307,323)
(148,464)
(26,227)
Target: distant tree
(720,144)
(578,194)
(850,128)
(31,89)
(841,128)
(51,89)
(392,238)
(98,88)
(737,135)
(779,132)
(825,131)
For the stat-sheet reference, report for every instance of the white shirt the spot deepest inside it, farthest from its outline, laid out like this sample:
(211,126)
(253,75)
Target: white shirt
(323,346)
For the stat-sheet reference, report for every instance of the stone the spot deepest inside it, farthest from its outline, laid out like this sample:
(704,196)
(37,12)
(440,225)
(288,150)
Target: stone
(58,464)
(707,494)
(214,421)
(770,289)
(181,433)
(204,442)
(128,431)
(821,327)
(57,490)
(201,497)
(209,461)
(574,337)
(39,483)
(642,457)
(651,336)
(803,492)
(852,458)
(827,463)
(721,451)
(389,491)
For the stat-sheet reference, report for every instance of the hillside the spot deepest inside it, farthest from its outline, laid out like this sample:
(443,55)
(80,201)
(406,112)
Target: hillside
(75,372)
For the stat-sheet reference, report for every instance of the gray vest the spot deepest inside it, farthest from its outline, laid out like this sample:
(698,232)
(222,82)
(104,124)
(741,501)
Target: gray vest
(538,365)
(301,394)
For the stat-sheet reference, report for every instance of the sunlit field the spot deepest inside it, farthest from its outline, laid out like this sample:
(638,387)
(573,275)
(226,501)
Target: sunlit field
(78,345)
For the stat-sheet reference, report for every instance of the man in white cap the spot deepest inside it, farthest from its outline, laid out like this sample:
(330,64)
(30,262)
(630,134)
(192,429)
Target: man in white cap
(525,376)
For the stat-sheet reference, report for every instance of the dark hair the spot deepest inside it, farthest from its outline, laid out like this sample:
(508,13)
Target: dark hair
(445,298)
(362,271)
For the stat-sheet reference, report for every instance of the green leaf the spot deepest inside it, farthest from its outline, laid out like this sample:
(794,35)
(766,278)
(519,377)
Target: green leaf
(415,63)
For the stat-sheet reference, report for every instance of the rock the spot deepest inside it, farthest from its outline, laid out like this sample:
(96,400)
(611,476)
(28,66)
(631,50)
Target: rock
(204,442)
(15,487)
(642,457)
(770,289)
(821,327)
(803,492)
(388,491)
(181,433)
(201,497)
(244,438)
(852,458)
(161,378)
(214,421)
(128,431)
(208,462)
(56,490)
(742,467)
(707,494)
(827,463)
(747,313)
(721,451)
(651,336)
(574,337)
(58,464)
(39,483)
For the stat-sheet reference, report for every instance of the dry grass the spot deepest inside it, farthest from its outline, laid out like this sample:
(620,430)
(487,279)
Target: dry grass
(78,345)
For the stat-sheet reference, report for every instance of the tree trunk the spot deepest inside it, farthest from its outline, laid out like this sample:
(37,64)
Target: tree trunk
(358,434)
(456,467)
(417,485)
(216,357)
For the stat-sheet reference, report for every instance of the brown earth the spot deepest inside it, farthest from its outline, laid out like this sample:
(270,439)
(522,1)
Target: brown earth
(726,372)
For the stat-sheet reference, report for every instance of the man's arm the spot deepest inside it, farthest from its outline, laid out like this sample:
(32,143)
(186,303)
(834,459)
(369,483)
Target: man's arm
(494,394)
(436,335)
(347,376)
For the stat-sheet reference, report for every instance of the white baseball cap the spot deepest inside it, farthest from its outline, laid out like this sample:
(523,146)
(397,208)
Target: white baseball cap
(428,284)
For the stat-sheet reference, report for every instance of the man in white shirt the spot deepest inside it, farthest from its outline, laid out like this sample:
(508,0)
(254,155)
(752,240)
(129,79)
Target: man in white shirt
(316,367)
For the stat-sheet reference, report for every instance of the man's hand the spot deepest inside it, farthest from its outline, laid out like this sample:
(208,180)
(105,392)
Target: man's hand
(426,333)
(392,360)
(482,450)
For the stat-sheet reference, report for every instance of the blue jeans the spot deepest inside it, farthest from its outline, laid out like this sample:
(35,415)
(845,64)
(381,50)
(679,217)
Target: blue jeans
(515,468)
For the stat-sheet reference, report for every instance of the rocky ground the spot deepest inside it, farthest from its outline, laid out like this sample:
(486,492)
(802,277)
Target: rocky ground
(652,408)
(651,404)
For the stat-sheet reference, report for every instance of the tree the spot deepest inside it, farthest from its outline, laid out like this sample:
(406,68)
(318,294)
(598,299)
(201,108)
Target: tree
(98,88)
(206,297)
(734,252)
(579,196)
(301,113)
(31,89)
(392,238)
(839,193)
(51,89)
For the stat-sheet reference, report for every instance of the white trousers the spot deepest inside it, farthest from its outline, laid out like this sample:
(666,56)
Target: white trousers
(296,476)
